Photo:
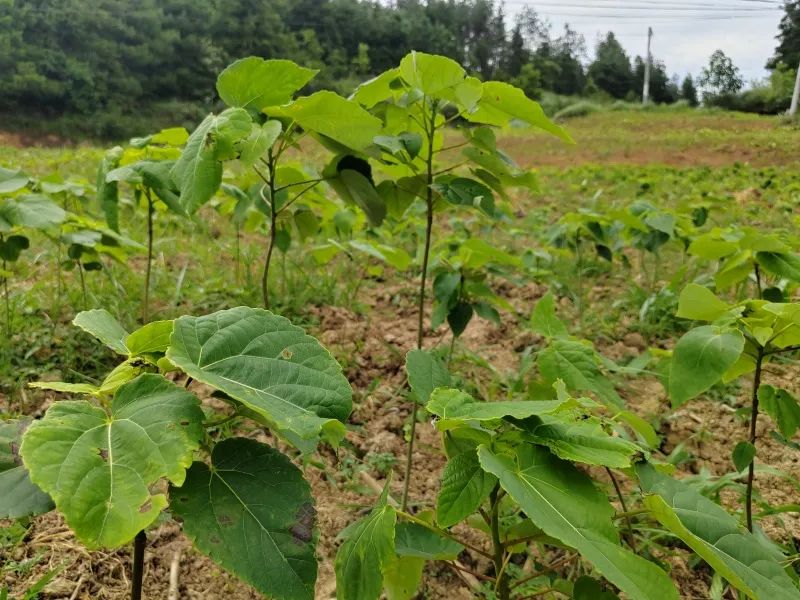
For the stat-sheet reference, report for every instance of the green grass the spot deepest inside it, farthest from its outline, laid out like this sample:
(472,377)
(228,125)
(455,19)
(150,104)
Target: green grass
(620,157)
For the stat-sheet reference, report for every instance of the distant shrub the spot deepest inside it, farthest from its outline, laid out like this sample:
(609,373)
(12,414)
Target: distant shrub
(579,109)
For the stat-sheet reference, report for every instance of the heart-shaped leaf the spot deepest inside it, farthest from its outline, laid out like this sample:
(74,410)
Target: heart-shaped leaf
(100,467)
(269,365)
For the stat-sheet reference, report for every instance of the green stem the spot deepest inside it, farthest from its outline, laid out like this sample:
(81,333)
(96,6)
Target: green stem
(83,283)
(139,543)
(751,471)
(146,300)
(238,253)
(758,282)
(421,305)
(579,256)
(7,299)
(629,525)
(271,164)
(501,581)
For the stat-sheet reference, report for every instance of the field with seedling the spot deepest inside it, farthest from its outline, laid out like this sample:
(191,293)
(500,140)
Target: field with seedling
(423,342)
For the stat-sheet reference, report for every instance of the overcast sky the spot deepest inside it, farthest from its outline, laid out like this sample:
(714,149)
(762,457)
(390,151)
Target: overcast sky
(686,32)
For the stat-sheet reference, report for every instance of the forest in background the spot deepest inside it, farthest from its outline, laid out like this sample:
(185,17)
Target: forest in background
(138,65)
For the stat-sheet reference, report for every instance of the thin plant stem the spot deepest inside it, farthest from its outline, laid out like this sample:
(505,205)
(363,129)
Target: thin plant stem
(238,252)
(146,300)
(7,298)
(751,470)
(83,283)
(450,352)
(579,256)
(758,282)
(139,543)
(271,163)
(629,525)
(501,587)
(421,306)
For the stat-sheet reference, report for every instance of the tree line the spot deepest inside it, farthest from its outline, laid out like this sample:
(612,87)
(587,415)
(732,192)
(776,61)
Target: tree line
(112,59)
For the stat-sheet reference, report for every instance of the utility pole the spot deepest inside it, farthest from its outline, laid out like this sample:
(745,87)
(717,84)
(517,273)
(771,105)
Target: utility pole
(796,96)
(646,91)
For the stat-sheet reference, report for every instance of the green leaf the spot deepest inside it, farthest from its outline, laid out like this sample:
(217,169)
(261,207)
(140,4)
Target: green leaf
(429,73)
(708,247)
(377,89)
(502,103)
(153,338)
(465,485)
(459,317)
(737,555)
(412,539)
(12,247)
(452,406)
(698,303)
(366,553)
(700,359)
(565,504)
(69,388)
(261,138)
(100,468)
(426,372)
(255,83)
(462,191)
(252,512)
(12,181)
(108,191)
(31,210)
(782,265)
(544,319)
(581,440)
(475,253)
(20,497)
(341,120)
(402,577)
(586,588)
(269,365)
(100,324)
(198,172)
(395,257)
(360,191)
(782,407)
(576,365)
(743,455)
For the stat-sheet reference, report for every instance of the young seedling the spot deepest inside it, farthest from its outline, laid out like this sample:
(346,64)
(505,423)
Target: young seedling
(417,102)
(115,459)
(262,123)
(21,214)
(740,339)
(145,166)
(517,471)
